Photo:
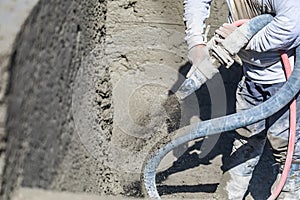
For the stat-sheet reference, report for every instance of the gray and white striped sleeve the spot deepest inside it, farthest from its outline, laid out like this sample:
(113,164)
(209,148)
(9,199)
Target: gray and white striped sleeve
(283,32)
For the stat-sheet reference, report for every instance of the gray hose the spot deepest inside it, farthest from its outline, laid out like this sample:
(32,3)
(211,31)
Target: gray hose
(218,125)
(232,45)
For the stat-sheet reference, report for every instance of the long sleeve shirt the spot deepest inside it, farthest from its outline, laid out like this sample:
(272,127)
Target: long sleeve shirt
(261,58)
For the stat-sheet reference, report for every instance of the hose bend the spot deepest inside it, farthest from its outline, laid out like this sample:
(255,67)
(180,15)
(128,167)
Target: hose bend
(217,125)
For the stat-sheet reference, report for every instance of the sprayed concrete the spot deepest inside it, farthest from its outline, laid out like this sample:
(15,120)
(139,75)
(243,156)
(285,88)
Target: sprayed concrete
(43,149)
(12,16)
(38,194)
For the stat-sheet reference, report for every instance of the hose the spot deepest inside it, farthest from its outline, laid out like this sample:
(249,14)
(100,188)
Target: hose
(292,136)
(230,47)
(218,125)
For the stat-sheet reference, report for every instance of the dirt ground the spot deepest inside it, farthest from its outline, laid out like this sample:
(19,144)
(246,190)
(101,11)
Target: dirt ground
(87,86)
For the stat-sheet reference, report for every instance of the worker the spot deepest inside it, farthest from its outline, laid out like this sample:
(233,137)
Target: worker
(263,75)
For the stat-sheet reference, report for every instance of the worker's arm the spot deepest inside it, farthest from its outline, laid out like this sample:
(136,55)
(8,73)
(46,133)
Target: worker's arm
(283,32)
(195,14)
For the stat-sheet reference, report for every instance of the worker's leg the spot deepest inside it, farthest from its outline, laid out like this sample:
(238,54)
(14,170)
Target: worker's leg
(278,136)
(245,156)
(247,147)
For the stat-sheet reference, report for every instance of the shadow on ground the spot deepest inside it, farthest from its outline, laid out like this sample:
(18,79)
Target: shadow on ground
(264,174)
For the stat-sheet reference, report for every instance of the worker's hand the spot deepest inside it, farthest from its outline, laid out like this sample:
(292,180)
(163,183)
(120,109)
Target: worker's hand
(224,31)
(196,55)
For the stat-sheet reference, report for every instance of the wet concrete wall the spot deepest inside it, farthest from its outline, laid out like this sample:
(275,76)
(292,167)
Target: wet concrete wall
(42,147)
(12,16)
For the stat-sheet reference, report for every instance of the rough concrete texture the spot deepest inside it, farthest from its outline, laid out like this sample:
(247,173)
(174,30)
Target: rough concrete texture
(43,150)
(146,51)
(88,81)
(38,194)
(12,16)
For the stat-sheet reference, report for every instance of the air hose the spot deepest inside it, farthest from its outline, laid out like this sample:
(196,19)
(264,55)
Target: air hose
(292,135)
(223,124)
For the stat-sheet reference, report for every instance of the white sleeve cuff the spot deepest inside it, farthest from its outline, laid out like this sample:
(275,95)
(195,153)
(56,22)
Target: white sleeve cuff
(195,40)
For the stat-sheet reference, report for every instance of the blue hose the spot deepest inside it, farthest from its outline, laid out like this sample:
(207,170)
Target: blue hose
(218,125)
(233,43)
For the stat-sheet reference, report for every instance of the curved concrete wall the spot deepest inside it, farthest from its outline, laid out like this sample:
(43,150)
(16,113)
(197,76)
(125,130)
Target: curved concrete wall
(42,147)
(12,16)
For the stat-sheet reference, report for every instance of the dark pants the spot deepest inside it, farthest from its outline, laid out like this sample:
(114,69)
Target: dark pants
(249,144)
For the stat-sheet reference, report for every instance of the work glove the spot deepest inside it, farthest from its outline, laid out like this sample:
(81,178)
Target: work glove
(195,55)
(224,31)
(202,70)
